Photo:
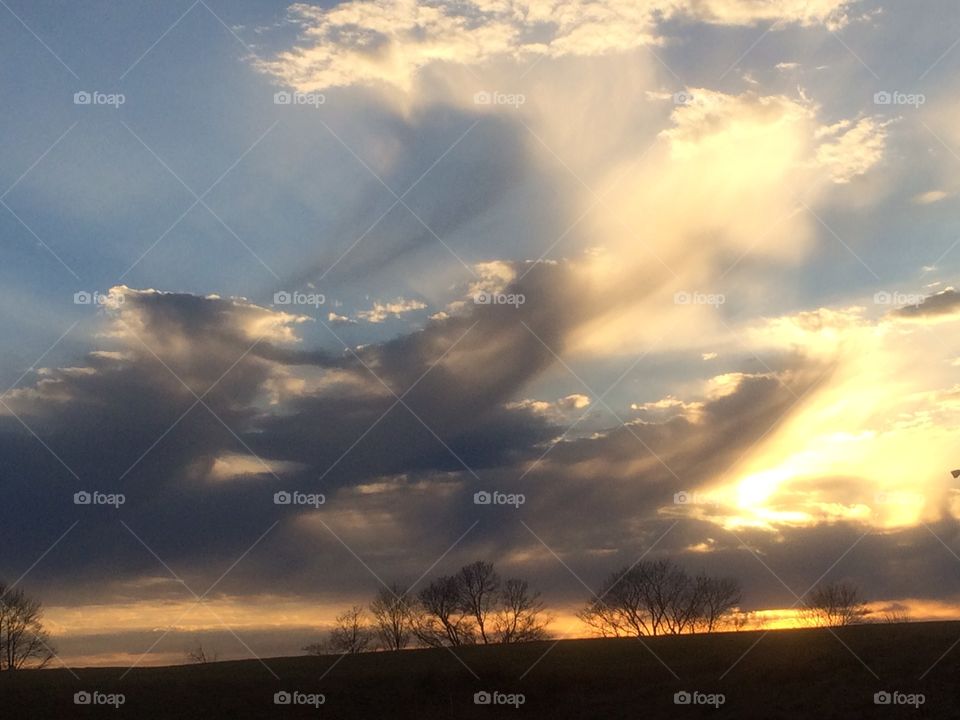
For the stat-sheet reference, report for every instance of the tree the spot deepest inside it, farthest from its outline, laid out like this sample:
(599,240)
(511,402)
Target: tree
(620,606)
(316,648)
(440,617)
(655,598)
(200,656)
(719,597)
(475,606)
(351,632)
(835,604)
(520,615)
(894,614)
(479,587)
(740,619)
(23,640)
(393,617)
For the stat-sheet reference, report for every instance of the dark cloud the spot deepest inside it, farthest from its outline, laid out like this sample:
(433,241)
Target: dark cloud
(945,302)
(399,477)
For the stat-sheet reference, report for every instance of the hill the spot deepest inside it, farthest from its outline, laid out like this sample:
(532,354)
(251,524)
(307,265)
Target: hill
(780,674)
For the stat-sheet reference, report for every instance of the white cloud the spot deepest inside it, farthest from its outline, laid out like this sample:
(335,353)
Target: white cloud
(928,198)
(851,149)
(391,309)
(390,41)
(335,319)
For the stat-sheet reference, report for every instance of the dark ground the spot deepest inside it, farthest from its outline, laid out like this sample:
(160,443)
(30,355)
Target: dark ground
(788,674)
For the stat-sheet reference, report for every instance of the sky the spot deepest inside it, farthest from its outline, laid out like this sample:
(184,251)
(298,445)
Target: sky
(680,273)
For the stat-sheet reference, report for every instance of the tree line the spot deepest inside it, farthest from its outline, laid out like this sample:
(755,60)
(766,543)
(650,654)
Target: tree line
(472,606)
(476,606)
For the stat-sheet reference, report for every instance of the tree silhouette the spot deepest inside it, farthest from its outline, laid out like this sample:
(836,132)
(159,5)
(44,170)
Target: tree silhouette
(656,598)
(835,604)
(520,615)
(474,605)
(393,617)
(441,619)
(23,640)
(479,587)
(351,632)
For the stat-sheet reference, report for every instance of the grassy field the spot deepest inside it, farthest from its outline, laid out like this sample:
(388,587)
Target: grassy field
(786,674)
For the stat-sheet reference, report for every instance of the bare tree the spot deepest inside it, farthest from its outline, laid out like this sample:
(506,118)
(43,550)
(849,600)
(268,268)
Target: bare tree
(621,606)
(655,598)
(835,604)
(740,619)
(351,632)
(440,618)
(677,598)
(393,617)
(894,614)
(316,648)
(200,656)
(520,615)
(479,594)
(23,640)
(718,598)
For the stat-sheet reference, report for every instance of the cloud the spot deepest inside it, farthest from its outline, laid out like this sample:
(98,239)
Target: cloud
(335,319)
(851,149)
(930,197)
(795,453)
(943,305)
(358,43)
(391,309)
